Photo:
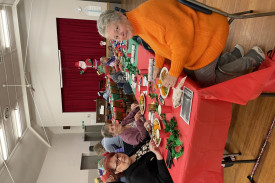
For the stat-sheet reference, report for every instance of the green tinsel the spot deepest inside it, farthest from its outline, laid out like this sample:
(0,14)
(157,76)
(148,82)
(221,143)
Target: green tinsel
(173,141)
(130,67)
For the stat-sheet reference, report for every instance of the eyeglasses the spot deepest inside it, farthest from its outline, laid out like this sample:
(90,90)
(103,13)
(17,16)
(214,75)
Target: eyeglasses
(117,161)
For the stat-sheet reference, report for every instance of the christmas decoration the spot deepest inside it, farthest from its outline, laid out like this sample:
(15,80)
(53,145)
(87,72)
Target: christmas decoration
(87,64)
(173,142)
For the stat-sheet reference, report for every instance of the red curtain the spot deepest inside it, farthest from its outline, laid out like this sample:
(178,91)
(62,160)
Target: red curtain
(79,40)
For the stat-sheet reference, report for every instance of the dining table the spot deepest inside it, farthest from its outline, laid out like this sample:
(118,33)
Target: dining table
(205,133)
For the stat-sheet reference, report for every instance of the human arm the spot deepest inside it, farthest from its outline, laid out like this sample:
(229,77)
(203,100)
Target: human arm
(137,116)
(120,66)
(130,117)
(153,147)
(119,150)
(163,173)
(159,61)
(134,135)
(117,63)
(180,42)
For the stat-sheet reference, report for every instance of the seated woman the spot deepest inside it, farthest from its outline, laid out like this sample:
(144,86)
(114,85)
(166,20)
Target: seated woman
(131,129)
(114,144)
(112,62)
(119,78)
(146,165)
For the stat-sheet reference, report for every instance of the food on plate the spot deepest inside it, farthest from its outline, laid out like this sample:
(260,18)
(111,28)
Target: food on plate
(159,82)
(155,131)
(156,86)
(142,103)
(152,107)
(141,99)
(163,73)
(164,90)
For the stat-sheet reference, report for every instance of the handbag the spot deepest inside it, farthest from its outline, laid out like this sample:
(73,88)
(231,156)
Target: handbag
(270,55)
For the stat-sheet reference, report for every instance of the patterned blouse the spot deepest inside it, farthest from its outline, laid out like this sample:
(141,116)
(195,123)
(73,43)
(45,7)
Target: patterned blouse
(143,150)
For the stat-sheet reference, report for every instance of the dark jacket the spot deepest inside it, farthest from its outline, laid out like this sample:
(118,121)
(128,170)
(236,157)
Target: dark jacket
(148,170)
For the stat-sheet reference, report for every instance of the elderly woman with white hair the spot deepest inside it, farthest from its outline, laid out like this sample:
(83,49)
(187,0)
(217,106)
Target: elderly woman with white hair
(190,39)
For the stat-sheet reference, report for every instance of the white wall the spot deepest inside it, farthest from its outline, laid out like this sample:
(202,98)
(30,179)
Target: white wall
(62,163)
(26,161)
(60,130)
(43,56)
(10,2)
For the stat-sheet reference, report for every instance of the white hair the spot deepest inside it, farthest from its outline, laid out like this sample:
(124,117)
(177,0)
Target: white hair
(105,19)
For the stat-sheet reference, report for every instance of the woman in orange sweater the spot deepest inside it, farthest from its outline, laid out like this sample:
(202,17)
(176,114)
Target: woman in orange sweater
(190,39)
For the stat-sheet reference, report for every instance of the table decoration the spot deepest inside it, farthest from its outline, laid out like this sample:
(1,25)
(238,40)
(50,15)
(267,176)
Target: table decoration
(173,142)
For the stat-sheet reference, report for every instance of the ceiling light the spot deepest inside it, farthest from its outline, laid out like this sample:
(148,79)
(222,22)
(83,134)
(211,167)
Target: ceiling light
(3,145)
(5,30)
(18,122)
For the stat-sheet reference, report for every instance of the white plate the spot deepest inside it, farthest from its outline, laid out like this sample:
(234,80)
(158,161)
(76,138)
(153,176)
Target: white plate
(164,96)
(164,69)
(151,116)
(157,131)
(142,109)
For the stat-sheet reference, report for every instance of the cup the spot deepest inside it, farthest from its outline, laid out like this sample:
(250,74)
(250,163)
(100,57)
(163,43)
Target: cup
(163,134)
(124,46)
(163,109)
(142,88)
(152,107)
(143,71)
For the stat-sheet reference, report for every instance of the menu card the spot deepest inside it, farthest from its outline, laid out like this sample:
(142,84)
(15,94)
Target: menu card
(186,105)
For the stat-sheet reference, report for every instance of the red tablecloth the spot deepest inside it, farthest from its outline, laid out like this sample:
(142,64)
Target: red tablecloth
(205,137)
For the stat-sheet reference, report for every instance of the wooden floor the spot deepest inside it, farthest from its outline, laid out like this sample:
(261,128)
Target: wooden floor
(250,123)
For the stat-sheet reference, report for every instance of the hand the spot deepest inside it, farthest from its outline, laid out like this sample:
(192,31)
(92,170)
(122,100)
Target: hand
(169,81)
(153,147)
(137,116)
(120,66)
(116,61)
(156,72)
(147,125)
(134,106)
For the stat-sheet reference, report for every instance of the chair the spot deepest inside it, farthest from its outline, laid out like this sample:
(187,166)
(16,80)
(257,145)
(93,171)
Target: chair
(208,10)
(119,103)
(229,160)
(119,116)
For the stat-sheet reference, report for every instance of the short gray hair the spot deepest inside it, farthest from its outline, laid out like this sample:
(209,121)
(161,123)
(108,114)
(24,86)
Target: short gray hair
(105,131)
(105,19)
(99,149)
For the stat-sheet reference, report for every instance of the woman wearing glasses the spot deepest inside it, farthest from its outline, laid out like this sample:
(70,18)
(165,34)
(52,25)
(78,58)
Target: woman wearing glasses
(146,165)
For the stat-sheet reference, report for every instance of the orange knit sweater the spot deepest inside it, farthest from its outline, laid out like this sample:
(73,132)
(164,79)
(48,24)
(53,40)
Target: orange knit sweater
(188,38)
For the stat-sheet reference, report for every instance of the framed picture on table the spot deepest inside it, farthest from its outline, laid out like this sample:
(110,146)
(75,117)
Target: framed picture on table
(186,105)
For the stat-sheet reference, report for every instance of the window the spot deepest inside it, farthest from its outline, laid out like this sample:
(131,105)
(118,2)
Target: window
(4,31)
(3,142)
(17,121)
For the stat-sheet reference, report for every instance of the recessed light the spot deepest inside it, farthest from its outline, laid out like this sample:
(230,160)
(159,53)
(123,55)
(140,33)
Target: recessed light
(3,144)
(5,29)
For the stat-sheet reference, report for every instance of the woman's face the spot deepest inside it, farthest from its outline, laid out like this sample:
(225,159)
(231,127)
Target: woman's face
(114,128)
(120,162)
(120,30)
(104,60)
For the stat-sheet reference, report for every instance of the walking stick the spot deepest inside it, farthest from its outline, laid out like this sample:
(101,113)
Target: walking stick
(250,177)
